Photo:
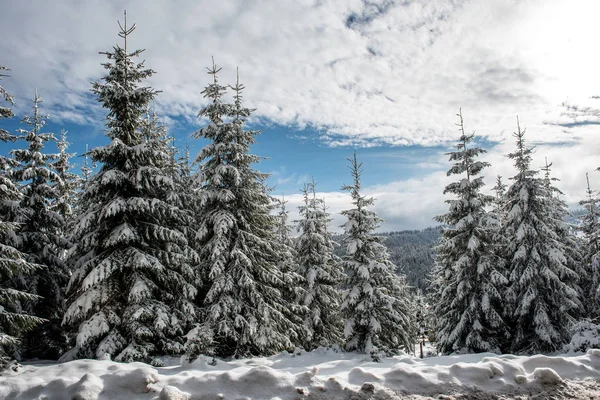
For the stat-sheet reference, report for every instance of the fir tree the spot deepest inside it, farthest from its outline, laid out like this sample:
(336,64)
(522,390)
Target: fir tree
(322,272)
(86,169)
(498,212)
(541,302)
(5,97)
(184,180)
(424,319)
(40,235)
(282,228)
(498,202)
(469,278)
(70,184)
(590,226)
(376,304)
(133,289)
(239,253)
(564,231)
(293,289)
(14,321)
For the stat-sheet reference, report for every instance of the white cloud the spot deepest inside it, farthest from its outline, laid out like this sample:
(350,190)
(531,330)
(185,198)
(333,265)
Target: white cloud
(413,203)
(362,73)
(379,72)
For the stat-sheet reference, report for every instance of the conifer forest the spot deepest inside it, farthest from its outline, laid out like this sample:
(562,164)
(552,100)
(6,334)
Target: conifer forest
(146,250)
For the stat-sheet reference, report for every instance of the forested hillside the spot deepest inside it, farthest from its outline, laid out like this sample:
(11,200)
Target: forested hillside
(411,251)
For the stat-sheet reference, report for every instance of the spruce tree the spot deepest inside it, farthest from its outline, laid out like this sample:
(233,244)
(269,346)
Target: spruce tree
(243,300)
(87,169)
(14,320)
(590,226)
(322,272)
(498,202)
(7,98)
(564,231)
(498,212)
(70,183)
(469,276)
(184,182)
(40,235)
(287,263)
(541,304)
(135,276)
(375,304)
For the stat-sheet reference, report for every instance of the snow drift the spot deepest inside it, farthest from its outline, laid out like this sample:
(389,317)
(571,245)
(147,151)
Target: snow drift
(319,374)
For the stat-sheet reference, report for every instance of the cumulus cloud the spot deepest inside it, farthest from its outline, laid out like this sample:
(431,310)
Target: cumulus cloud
(414,202)
(363,72)
(359,73)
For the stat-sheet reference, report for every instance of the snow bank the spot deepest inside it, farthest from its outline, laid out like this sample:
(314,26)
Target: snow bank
(320,374)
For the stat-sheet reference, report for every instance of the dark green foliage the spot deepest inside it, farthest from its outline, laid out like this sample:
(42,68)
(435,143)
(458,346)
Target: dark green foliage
(541,301)
(376,304)
(14,320)
(243,297)
(322,272)
(135,276)
(40,236)
(590,226)
(468,275)
(412,251)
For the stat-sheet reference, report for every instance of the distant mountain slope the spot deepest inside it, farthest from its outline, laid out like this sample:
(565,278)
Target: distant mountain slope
(411,251)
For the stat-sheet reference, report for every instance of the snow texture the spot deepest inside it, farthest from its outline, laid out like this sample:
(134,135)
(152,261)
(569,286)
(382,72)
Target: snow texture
(376,302)
(468,275)
(319,374)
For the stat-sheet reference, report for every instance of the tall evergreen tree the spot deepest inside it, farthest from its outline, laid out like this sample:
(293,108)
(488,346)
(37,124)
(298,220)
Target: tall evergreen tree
(564,231)
(499,213)
(322,272)
(40,235)
(376,304)
(498,202)
(71,183)
(469,274)
(287,263)
(184,182)
(14,321)
(239,253)
(590,226)
(87,169)
(132,292)
(541,304)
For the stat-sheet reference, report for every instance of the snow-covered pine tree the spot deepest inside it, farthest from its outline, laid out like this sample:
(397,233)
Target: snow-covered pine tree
(469,275)
(293,289)
(236,242)
(71,183)
(498,202)
(185,165)
(590,226)
(14,321)
(541,304)
(498,212)
(564,230)
(184,180)
(40,235)
(322,271)
(424,321)
(376,304)
(283,236)
(5,97)
(87,169)
(135,276)
(156,133)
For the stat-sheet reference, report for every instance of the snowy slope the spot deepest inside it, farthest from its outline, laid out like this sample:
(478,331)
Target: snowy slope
(322,374)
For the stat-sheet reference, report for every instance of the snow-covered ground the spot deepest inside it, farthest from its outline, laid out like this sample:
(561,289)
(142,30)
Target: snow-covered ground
(321,374)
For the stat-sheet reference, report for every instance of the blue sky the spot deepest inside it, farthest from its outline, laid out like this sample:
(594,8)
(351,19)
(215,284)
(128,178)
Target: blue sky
(384,77)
